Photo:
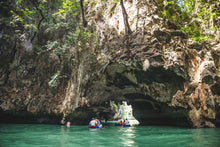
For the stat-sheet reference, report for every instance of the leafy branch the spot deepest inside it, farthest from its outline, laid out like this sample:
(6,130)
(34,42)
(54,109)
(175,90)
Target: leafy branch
(37,5)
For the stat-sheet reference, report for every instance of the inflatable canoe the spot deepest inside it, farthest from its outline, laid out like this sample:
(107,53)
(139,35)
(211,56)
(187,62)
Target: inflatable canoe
(95,126)
(116,124)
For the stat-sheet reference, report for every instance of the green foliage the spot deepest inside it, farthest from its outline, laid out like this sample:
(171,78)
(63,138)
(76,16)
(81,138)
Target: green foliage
(52,44)
(171,11)
(70,9)
(188,6)
(15,20)
(115,1)
(38,49)
(84,44)
(54,80)
(56,25)
(195,33)
(185,12)
(115,107)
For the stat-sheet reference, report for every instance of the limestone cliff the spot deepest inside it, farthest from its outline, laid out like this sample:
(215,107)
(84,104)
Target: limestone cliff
(167,78)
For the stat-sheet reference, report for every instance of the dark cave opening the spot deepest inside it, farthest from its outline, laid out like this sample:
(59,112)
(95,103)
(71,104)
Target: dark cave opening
(150,112)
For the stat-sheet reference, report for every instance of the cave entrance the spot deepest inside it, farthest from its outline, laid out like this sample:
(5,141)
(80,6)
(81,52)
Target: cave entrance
(124,111)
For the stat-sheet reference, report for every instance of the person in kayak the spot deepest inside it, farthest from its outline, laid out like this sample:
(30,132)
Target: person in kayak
(92,122)
(127,122)
(97,121)
(123,123)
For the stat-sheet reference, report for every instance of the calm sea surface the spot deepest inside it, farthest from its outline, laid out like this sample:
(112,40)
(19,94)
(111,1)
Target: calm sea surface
(32,135)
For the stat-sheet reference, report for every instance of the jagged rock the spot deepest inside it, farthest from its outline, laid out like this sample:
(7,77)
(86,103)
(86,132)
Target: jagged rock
(167,79)
(207,72)
(200,103)
(162,36)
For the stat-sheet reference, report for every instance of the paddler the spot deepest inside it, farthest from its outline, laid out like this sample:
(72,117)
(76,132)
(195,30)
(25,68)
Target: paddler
(92,123)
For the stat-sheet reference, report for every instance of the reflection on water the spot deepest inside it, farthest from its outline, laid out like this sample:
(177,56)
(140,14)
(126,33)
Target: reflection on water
(208,136)
(108,136)
(128,134)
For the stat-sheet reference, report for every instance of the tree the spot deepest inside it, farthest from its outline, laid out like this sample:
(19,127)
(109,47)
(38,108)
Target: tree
(37,4)
(127,28)
(125,16)
(83,13)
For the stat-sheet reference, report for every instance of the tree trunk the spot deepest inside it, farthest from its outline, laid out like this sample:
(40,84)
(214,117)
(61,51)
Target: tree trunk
(125,16)
(36,4)
(127,28)
(83,14)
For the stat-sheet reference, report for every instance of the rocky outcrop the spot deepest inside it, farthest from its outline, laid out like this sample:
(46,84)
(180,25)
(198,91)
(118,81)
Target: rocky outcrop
(199,101)
(167,78)
(171,75)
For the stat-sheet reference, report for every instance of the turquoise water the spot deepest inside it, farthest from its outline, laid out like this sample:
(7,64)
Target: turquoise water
(31,135)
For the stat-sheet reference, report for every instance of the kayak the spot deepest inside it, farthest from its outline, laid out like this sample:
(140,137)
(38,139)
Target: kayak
(95,126)
(116,124)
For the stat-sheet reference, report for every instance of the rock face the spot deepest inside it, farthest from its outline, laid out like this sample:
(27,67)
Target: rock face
(168,79)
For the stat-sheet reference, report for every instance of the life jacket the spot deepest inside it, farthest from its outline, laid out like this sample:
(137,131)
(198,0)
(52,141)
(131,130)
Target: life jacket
(93,122)
(97,122)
